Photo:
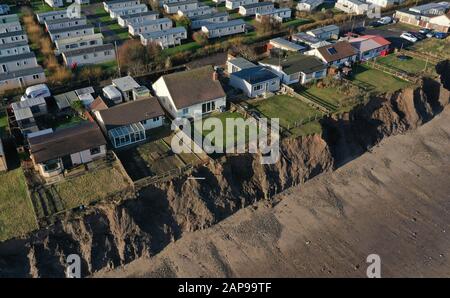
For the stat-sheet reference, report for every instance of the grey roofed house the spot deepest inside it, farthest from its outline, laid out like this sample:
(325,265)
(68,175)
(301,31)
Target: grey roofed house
(255,74)
(13,44)
(131,112)
(297,63)
(64,20)
(125,84)
(28,103)
(66,141)
(157,34)
(207,16)
(231,23)
(89,50)
(305,38)
(21,73)
(65,100)
(141,14)
(240,63)
(280,42)
(193,86)
(73,28)
(322,30)
(17,57)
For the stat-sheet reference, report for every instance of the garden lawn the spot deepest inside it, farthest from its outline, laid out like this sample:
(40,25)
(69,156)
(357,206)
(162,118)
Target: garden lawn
(191,46)
(376,80)
(329,94)
(413,65)
(434,46)
(288,109)
(17,215)
(3,124)
(92,186)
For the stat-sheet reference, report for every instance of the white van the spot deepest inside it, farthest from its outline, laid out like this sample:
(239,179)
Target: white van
(40,90)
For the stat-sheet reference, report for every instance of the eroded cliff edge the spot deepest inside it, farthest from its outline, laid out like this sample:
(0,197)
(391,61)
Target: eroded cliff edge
(110,235)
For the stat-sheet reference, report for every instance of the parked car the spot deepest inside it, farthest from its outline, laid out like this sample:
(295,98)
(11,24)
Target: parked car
(417,35)
(409,37)
(375,24)
(385,20)
(425,31)
(40,90)
(440,35)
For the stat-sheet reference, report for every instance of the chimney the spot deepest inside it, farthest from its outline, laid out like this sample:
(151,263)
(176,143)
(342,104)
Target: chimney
(215,75)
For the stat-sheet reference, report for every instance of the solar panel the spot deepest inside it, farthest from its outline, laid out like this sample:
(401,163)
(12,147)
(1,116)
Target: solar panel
(332,51)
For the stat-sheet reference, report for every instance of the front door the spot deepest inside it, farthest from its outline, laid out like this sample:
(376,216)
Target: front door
(67,162)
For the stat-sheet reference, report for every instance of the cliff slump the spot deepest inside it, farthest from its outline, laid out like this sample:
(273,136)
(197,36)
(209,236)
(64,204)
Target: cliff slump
(109,235)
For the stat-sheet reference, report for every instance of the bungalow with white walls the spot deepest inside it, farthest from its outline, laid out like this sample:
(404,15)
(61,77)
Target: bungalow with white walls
(13,37)
(370,46)
(22,78)
(214,30)
(18,62)
(182,5)
(384,3)
(91,55)
(78,42)
(200,21)
(308,5)
(336,54)
(199,11)
(352,6)
(150,26)
(234,4)
(191,93)
(296,68)
(129,10)
(277,14)
(13,49)
(137,18)
(113,4)
(130,122)
(55,3)
(65,148)
(165,38)
(9,23)
(252,9)
(255,81)
(65,23)
(51,15)
(74,31)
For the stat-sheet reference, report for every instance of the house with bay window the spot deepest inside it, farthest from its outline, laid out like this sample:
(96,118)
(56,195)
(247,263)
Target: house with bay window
(191,93)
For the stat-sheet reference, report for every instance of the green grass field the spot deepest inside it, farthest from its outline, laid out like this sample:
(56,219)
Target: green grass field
(288,109)
(434,46)
(376,80)
(191,46)
(329,94)
(412,66)
(92,186)
(16,211)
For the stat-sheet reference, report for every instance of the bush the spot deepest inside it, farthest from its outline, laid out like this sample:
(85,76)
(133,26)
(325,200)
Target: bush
(200,37)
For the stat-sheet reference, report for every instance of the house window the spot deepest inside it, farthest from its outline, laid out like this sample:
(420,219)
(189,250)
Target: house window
(257,87)
(155,119)
(95,150)
(143,122)
(185,111)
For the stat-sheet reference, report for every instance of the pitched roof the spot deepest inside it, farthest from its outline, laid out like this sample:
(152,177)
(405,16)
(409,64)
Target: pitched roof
(83,51)
(17,57)
(337,51)
(255,74)
(321,30)
(66,141)
(368,42)
(193,86)
(131,112)
(297,63)
(98,104)
(21,73)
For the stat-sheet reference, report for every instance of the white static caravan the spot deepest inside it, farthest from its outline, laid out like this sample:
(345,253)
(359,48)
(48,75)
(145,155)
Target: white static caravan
(65,23)
(13,37)
(51,15)
(199,22)
(116,12)
(13,49)
(234,4)
(15,63)
(55,3)
(22,78)
(9,23)
(71,32)
(183,6)
(126,20)
(278,14)
(200,11)
(214,30)
(92,55)
(108,5)
(166,38)
(150,26)
(253,9)
(308,5)
(78,42)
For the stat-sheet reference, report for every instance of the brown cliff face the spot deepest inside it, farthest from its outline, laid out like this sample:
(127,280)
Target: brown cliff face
(110,235)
